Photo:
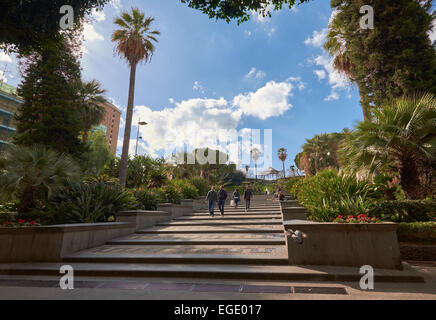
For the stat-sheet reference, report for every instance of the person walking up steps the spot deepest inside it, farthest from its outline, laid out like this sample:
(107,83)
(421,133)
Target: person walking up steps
(222,196)
(211,198)
(248,195)
(236,198)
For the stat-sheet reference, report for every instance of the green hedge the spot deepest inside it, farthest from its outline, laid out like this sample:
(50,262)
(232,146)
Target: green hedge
(406,210)
(417,232)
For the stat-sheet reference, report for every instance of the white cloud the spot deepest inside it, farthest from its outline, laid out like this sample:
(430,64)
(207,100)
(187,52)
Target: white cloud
(98,15)
(318,38)
(4,57)
(321,74)
(300,84)
(333,96)
(90,34)
(258,16)
(199,87)
(171,100)
(254,73)
(191,122)
(247,33)
(269,101)
(271,32)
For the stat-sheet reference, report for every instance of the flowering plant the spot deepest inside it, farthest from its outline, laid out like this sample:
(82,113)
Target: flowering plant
(22,223)
(361,218)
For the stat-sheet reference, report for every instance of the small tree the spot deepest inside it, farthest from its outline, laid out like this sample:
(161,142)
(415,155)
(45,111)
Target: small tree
(401,137)
(28,171)
(283,155)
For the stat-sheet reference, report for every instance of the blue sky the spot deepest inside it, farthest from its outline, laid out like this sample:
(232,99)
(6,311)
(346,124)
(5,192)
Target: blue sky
(208,75)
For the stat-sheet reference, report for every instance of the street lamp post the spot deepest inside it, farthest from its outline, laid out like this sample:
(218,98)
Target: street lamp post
(143,123)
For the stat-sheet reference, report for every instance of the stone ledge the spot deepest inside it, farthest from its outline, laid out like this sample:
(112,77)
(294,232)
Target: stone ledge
(333,244)
(52,243)
(65,228)
(143,213)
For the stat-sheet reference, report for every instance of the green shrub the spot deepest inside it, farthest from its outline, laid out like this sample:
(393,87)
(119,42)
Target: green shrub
(170,194)
(329,194)
(90,202)
(418,232)
(406,210)
(147,199)
(201,184)
(8,212)
(188,190)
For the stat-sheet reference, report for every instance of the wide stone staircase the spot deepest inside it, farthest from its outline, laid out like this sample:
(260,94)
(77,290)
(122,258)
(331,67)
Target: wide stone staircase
(199,243)
(241,245)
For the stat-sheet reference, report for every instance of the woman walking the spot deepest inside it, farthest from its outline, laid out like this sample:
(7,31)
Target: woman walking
(236,198)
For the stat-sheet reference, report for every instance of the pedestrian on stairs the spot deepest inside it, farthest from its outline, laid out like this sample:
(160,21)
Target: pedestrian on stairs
(211,198)
(236,197)
(248,195)
(222,197)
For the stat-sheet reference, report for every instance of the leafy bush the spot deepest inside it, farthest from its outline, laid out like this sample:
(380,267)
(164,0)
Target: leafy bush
(201,184)
(170,194)
(406,211)
(8,212)
(188,190)
(329,194)
(90,202)
(421,232)
(147,199)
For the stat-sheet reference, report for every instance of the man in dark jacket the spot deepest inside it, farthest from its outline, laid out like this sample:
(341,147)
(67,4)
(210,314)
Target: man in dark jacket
(211,198)
(248,195)
(222,196)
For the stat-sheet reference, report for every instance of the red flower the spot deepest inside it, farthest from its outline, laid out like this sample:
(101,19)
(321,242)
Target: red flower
(21,221)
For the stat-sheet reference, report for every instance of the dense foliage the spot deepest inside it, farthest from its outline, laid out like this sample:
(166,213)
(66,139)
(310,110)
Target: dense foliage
(418,232)
(394,59)
(31,173)
(238,9)
(329,194)
(400,139)
(28,25)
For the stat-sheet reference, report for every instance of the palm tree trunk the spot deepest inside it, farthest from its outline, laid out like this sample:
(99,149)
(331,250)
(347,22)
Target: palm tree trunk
(410,181)
(364,105)
(128,128)
(284,171)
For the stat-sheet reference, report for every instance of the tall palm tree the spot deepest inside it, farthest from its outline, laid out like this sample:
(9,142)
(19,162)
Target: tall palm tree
(135,42)
(255,154)
(283,155)
(91,99)
(342,62)
(401,137)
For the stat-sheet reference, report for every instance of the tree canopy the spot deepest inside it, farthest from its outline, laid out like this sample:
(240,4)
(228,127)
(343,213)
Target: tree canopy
(28,24)
(238,9)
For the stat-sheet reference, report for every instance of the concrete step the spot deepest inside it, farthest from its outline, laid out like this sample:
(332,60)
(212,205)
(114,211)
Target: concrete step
(200,254)
(214,229)
(197,271)
(229,217)
(223,242)
(223,222)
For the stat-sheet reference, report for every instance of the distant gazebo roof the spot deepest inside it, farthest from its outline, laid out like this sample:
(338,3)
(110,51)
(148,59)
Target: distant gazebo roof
(269,172)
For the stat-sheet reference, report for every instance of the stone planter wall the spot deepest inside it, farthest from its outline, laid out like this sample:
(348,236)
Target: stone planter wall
(355,245)
(52,243)
(143,219)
